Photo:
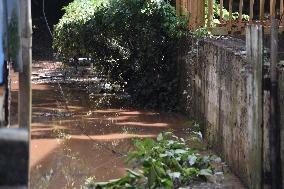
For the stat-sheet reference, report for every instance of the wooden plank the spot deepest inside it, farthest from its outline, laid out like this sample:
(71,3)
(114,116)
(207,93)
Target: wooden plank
(251,11)
(221,10)
(254,47)
(25,76)
(181,7)
(272,9)
(261,10)
(190,11)
(210,13)
(194,14)
(201,13)
(2,90)
(230,13)
(178,7)
(184,9)
(189,6)
(241,5)
(281,8)
(25,89)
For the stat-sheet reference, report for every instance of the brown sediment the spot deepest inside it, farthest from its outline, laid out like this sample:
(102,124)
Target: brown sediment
(77,139)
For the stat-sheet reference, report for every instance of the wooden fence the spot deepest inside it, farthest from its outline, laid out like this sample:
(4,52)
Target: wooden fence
(202,14)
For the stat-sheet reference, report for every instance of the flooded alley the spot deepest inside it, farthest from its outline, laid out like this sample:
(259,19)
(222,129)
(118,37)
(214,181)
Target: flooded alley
(80,132)
(141,94)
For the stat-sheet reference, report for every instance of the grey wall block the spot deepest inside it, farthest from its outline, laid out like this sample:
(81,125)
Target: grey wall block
(14,157)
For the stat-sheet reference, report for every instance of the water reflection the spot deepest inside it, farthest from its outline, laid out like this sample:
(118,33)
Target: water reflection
(89,139)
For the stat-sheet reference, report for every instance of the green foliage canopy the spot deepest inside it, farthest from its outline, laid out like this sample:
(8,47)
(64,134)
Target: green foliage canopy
(133,42)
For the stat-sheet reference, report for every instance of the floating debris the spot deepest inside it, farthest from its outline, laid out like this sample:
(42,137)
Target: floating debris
(57,114)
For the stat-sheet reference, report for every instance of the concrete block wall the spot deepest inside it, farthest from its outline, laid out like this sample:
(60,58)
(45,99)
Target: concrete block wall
(214,91)
(14,157)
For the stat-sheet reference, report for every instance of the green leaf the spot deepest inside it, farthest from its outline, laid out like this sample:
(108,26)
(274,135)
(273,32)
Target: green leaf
(192,159)
(175,175)
(180,151)
(152,177)
(206,172)
(160,137)
(132,173)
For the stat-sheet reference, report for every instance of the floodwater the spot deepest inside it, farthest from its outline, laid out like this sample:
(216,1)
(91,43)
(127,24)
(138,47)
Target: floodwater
(78,133)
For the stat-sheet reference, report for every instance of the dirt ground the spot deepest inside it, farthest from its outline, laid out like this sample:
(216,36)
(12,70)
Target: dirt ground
(77,132)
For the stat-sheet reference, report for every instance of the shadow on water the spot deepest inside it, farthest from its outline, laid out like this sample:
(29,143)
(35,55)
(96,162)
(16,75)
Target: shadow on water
(79,133)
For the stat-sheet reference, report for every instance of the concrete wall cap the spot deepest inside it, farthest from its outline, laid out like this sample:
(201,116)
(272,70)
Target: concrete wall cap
(16,135)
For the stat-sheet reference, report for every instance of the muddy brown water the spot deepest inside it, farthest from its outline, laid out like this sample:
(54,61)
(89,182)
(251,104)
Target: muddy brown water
(83,138)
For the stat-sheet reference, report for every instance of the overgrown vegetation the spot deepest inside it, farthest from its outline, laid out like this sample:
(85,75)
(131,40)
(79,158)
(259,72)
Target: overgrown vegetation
(133,42)
(165,163)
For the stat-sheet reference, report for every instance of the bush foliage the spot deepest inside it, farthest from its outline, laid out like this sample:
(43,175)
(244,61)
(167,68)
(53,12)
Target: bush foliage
(133,42)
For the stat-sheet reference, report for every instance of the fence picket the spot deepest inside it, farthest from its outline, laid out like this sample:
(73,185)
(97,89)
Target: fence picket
(272,9)
(251,11)
(240,13)
(261,10)
(196,8)
(221,10)
(281,8)
(230,12)
(210,13)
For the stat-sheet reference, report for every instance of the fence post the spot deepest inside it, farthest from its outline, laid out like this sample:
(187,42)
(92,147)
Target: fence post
(254,47)
(25,75)
(25,90)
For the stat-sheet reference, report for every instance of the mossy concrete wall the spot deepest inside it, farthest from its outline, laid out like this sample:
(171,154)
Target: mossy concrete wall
(215,92)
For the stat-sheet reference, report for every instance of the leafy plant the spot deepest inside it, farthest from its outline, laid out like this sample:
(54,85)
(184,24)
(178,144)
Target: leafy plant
(165,163)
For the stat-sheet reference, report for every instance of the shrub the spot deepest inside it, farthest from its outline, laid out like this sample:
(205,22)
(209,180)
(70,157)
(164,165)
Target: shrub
(133,42)
(67,36)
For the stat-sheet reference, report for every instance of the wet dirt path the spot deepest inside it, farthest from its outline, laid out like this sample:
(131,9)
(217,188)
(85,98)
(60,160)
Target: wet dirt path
(78,134)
